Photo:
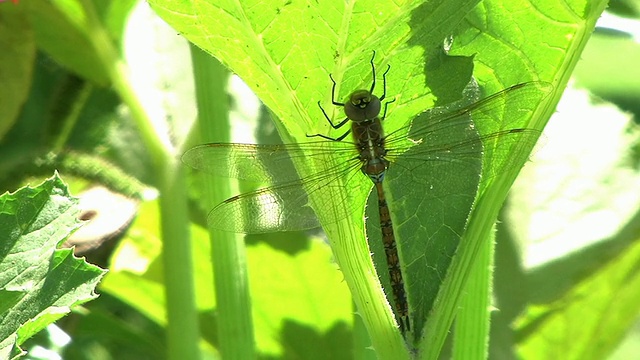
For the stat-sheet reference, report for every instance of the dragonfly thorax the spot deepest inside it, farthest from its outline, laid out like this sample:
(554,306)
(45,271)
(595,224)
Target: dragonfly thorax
(362,105)
(369,139)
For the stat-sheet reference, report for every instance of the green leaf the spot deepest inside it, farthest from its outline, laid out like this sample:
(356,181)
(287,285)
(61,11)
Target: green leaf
(588,321)
(615,79)
(289,276)
(286,298)
(39,283)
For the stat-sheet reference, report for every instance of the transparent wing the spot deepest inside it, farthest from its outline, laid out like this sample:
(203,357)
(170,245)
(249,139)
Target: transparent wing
(445,134)
(498,112)
(454,135)
(285,205)
(260,163)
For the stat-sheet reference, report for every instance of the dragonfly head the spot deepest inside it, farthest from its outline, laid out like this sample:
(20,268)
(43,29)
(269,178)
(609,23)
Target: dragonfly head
(362,105)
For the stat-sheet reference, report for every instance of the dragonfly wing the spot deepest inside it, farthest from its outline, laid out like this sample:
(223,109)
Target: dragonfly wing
(265,210)
(440,154)
(507,109)
(504,150)
(244,161)
(272,164)
(288,207)
(456,136)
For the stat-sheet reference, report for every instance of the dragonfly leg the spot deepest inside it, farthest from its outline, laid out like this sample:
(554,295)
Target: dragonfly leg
(384,114)
(333,93)
(340,138)
(384,78)
(384,83)
(339,125)
(373,72)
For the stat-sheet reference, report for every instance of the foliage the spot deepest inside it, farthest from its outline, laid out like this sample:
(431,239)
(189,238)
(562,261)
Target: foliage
(39,283)
(102,91)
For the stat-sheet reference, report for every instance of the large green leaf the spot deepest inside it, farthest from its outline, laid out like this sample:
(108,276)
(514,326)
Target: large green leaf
(433,186)
(285,53)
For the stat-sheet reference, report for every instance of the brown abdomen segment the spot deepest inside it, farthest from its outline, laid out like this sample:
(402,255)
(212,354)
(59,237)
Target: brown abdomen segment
(393,262)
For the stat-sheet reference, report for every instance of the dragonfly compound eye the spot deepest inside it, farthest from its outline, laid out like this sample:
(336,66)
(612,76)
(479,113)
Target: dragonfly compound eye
(362,105)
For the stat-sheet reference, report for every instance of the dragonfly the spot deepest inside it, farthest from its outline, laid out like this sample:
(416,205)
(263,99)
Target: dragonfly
(345,169)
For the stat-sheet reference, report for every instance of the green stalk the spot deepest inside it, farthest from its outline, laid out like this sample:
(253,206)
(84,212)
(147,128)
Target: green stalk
(182,327)
(471,336)
(118,74)
(361,341)
(352,254)
(235,327)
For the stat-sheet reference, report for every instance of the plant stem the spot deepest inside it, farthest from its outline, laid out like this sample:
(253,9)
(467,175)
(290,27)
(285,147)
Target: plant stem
(471,336)
(182,329)
(235,327)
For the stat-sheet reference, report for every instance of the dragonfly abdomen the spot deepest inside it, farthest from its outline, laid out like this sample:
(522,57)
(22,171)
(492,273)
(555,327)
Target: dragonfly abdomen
(393,261)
